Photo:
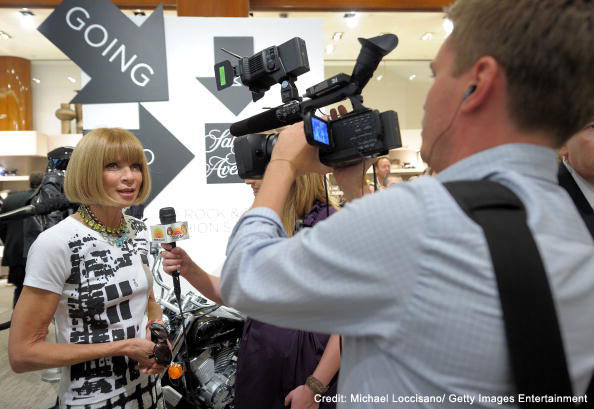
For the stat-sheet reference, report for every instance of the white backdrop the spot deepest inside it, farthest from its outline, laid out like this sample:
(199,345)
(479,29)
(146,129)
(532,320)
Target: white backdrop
(210,209)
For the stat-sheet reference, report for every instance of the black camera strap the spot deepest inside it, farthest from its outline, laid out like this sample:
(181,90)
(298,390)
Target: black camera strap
(535,345)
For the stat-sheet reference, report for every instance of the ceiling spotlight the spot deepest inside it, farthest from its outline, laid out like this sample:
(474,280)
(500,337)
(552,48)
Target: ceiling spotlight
(72,80)
(139,12)
(427,36)
(448,26)
(351,19)
(329,48)
(337,36)
(27,18)
(4,35)
(36,80)
(412,77)
(379,77)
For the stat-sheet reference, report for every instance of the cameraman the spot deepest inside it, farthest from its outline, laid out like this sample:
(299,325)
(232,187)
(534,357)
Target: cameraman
(520,73)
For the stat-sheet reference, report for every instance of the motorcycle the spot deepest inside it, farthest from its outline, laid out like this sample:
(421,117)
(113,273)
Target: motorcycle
(211,352)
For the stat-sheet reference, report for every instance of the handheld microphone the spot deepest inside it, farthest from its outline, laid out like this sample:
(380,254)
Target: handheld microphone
(170,231)
(37,209)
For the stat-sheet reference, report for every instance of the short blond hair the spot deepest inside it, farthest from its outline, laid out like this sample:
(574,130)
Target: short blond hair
(546,50)
(84,175)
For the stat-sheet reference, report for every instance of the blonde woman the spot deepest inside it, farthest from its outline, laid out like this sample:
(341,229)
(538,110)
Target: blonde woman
(277,367)
(88,272)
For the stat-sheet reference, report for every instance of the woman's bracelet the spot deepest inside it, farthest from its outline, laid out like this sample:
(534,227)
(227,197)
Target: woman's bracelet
(316,385)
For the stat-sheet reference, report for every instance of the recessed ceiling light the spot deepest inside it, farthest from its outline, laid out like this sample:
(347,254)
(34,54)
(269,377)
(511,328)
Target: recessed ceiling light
(379,77)
(139,12)
(337,36)
(4,35)
(412,77)
(351,19)
(329,48)
(27,18)
(9,86)
(427,36)
(72,80)
(36,80)
(448,26)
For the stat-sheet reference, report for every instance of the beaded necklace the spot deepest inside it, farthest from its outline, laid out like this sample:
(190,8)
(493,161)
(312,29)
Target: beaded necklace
(117,236)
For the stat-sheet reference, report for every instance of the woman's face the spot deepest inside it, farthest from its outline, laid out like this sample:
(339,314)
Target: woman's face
(254,183)
(122,181)
(383,168)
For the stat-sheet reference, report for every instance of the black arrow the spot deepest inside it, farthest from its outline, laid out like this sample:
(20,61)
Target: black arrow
(236,97)
(126,63)
(167,154)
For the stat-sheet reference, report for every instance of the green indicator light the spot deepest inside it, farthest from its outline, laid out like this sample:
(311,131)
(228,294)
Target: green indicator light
(222,76)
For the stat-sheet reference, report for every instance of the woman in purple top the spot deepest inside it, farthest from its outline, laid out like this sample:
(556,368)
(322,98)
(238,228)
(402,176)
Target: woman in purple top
(277,366)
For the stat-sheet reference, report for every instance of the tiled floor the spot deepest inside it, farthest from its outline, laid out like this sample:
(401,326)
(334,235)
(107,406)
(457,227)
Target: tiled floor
(22,391)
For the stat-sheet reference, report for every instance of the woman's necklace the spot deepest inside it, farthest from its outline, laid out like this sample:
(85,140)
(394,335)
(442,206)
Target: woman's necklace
(117,236)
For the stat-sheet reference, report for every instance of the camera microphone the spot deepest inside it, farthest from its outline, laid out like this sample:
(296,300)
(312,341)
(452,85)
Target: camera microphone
(286,114)
(47,206)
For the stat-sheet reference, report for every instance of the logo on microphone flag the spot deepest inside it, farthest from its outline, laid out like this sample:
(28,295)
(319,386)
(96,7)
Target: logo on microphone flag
(167,233)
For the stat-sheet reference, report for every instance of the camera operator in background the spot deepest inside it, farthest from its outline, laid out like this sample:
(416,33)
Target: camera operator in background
(11,234)
(277,366)
(576,172)
(382,170)
(512,81)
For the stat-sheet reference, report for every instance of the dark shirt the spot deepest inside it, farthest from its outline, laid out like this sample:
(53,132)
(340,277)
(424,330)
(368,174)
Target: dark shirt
(273,361)
(11,232)
(581,203)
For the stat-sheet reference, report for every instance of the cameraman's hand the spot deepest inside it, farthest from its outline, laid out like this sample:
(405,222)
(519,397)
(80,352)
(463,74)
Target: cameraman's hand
(293,147)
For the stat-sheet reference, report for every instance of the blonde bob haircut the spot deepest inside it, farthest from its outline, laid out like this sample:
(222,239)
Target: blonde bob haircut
(84,175)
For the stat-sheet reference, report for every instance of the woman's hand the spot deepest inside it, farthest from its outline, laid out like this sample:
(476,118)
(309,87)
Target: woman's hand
(302,397)
(176,259)
(140,349)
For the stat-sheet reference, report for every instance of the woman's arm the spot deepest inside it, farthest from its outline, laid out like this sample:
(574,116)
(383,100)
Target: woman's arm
(176,259)
(303,396)
(28,349)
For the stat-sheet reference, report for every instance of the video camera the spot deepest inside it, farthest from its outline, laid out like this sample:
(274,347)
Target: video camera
(363,133)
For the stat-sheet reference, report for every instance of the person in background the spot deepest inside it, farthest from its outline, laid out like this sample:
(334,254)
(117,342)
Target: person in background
(277,366)
(11,234)
(382,170)
(90,273)
(576,172)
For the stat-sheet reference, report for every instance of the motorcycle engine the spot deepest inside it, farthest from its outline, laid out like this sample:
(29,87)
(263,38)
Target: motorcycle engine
(215,370)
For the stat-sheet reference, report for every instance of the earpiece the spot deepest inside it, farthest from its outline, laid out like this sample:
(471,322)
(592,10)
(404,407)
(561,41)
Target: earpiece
(469,91)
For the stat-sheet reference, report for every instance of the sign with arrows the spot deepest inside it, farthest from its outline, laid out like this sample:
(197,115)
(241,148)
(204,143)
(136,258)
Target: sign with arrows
(236,97)
(166,155)
(126,63)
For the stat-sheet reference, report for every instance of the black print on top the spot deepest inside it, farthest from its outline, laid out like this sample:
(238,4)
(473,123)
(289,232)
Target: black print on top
(94,282)
(144,395)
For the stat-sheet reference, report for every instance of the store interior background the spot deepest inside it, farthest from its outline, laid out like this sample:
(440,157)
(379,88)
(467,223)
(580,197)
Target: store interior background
(400,82)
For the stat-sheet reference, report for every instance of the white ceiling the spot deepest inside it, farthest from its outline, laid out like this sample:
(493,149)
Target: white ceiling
(409,27)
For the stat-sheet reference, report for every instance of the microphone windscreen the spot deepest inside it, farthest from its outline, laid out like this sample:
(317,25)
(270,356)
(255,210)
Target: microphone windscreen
(167,215)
